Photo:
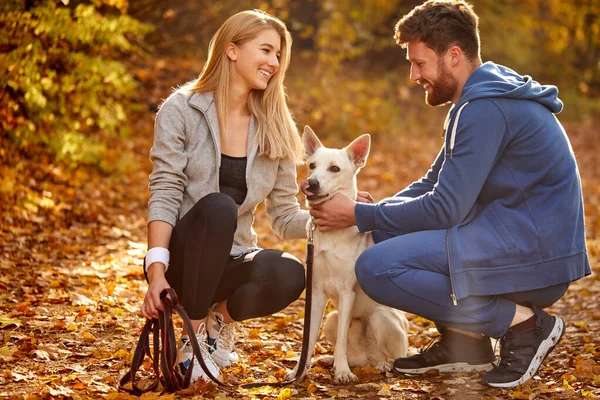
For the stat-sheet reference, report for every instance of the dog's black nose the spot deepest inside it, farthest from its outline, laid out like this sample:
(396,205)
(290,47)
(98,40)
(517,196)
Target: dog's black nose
(313,185)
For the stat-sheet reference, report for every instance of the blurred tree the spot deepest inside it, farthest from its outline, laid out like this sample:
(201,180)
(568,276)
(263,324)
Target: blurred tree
(553,40)
(60,83)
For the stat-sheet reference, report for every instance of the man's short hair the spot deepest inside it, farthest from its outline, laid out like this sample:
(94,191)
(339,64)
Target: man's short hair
(441,24)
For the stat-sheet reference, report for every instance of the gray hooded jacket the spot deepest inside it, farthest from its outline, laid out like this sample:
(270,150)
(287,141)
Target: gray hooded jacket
(186,158)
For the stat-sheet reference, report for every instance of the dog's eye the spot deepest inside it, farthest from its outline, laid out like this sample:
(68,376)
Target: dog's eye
(311,165)
(334,168)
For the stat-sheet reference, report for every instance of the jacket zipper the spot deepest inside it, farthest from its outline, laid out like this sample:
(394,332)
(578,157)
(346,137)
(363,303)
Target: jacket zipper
(452,294)
(452,141)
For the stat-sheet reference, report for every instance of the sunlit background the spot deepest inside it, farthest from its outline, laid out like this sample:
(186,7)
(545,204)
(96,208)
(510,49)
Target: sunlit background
(80,82)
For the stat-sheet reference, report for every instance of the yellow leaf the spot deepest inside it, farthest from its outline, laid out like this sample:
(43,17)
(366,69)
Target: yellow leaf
(579,324)
(587,393)
(385,391)
(519,395)
(5,321)
(566,385)
(72,327)
(254,333)
(88,337)
(285,394)
(271,379)
(122,354)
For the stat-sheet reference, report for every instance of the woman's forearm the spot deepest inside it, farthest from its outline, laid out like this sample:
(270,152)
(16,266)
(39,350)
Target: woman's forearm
(159,235)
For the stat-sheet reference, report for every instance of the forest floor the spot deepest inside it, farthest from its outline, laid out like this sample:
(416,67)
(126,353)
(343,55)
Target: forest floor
(71,285)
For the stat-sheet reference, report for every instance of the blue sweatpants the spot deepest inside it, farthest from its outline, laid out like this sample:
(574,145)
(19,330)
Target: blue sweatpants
(410,272)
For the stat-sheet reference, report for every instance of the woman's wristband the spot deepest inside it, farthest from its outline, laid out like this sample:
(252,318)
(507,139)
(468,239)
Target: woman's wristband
(157,254)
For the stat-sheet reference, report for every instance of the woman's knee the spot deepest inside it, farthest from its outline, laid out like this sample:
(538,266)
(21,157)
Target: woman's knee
(215,210)
(285,278)
(219,207)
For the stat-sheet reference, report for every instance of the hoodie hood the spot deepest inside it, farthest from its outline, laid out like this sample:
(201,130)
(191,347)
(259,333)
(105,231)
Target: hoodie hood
(493,80)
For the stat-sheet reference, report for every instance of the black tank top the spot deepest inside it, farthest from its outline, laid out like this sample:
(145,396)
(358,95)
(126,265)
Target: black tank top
(232,177)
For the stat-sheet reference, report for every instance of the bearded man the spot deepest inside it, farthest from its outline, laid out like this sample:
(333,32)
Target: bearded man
(494,232)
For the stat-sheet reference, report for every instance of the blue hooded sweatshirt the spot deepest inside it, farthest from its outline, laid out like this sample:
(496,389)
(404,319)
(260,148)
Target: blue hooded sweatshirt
(505,186)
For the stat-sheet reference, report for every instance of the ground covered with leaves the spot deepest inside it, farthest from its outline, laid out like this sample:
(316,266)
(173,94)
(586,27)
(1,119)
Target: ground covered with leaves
(71,285)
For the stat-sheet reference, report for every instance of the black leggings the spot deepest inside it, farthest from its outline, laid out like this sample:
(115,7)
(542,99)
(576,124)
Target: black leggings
(203,273)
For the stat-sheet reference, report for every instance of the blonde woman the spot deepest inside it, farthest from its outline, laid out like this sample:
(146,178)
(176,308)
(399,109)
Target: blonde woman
(223,144)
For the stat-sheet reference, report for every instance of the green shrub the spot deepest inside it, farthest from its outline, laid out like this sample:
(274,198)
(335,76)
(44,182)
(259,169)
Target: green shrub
(62,84)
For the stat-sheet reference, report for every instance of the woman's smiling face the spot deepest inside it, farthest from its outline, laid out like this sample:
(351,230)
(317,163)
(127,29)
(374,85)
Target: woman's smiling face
(256,61)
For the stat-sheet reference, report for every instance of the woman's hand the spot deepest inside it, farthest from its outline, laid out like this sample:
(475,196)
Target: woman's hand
(157,283)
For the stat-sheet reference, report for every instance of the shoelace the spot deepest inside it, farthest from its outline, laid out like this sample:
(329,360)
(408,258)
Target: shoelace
(430,348)
(432,342)
(227,336)
(204,347)
(507,356)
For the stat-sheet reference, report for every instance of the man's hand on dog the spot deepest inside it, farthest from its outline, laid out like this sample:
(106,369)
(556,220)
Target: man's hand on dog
(337,212)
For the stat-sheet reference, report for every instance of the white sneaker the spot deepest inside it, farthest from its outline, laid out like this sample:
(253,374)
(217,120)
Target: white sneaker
(185,353)
(221,338)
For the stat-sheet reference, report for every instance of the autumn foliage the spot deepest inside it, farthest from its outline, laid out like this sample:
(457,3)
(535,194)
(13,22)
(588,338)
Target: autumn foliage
(63,84)
(80,83)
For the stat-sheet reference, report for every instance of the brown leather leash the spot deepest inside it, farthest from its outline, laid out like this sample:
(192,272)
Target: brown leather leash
(165,348)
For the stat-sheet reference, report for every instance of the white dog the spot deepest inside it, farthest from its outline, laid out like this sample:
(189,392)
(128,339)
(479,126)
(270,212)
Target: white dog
(362,331)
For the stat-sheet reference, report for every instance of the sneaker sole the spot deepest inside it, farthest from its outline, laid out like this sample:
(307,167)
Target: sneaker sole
(545,348)
(454,367)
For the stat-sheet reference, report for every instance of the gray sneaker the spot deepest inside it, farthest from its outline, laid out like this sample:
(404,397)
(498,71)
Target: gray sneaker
(221,338)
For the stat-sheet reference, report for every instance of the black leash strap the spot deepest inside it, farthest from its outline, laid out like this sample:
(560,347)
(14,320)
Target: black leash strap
(164,356)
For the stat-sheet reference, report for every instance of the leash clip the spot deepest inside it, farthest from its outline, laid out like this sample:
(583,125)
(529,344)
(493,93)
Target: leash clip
(311,228)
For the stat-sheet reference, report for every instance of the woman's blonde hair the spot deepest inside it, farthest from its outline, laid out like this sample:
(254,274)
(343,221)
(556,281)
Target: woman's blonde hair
(276,131)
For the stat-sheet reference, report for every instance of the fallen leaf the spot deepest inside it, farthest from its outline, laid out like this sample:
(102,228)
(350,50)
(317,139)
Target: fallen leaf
(285,394)
(6,353)
(385,391)
(519,395)
(88,337)
(5,321)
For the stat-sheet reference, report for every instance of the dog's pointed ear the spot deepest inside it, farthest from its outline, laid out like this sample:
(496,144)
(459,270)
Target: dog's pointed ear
(358,150)
(310,140)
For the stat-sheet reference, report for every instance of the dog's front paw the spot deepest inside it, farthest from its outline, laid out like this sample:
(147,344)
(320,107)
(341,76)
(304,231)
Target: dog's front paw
(345,377)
